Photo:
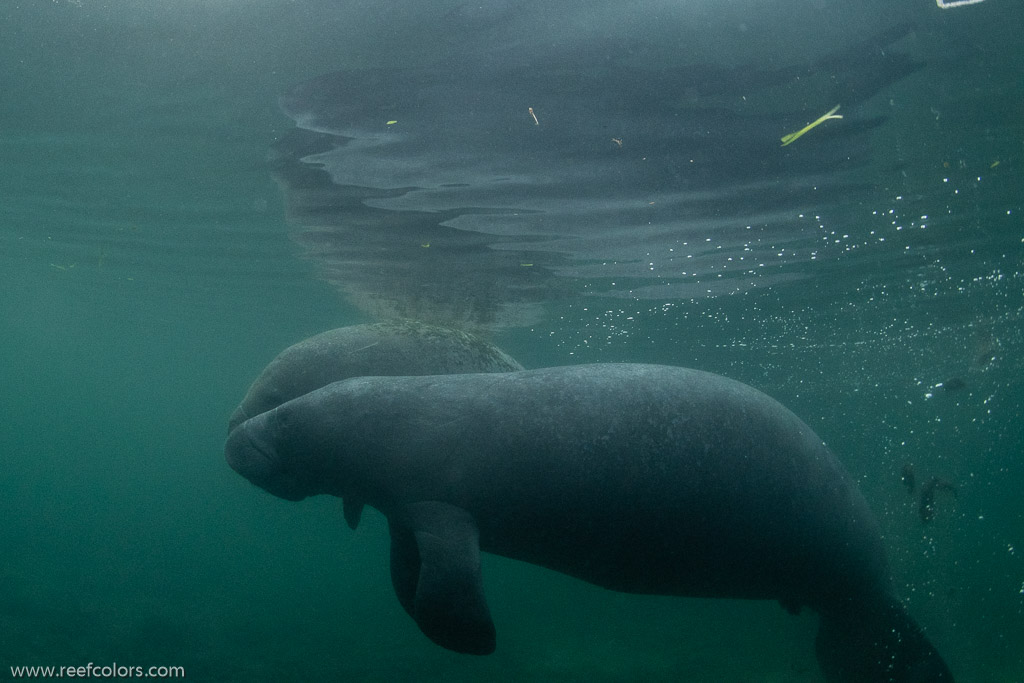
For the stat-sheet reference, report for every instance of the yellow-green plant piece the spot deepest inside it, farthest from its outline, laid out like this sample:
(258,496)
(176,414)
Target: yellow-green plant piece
(786,139)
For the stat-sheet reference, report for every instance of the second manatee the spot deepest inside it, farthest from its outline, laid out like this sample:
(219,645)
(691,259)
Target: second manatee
(400,348)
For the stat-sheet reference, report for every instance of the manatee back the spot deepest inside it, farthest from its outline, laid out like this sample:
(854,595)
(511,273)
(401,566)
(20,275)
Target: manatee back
(401,348)
(707,486)
(639,478)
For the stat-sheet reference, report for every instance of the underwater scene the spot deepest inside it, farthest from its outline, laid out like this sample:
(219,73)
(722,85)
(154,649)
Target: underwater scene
(335,337)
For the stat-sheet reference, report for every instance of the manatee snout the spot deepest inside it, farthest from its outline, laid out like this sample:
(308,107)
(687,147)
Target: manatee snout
(237,417)
(254,457)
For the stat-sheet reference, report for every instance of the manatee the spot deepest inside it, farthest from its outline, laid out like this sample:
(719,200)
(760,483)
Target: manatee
(392,348)
(638,478)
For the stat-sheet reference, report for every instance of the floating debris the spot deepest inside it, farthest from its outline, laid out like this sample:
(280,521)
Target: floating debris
(926,509)
(951,384)
(786,139)
(955,3)
(907,477)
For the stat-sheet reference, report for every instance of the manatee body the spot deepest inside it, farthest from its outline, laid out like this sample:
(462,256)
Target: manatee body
(638,478)
(392,348)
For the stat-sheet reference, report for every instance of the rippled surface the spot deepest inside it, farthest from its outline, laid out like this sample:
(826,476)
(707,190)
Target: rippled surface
(443,191)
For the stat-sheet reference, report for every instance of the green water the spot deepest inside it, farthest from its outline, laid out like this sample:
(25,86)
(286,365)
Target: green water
(147,276)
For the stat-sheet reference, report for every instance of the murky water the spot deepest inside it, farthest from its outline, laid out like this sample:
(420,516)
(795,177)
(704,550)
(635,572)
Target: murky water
(156,251)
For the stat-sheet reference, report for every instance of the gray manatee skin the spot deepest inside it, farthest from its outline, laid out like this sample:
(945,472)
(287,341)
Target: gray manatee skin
(639,478)
(392,348)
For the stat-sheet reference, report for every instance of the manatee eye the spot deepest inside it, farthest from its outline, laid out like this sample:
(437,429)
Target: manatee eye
(283,421)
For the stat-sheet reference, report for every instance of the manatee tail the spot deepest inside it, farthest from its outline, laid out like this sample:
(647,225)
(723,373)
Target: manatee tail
(877,644)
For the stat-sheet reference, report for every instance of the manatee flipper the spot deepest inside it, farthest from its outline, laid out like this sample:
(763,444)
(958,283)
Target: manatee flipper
(405,566)
(435,570)
(353,509)
(877,643)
